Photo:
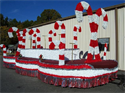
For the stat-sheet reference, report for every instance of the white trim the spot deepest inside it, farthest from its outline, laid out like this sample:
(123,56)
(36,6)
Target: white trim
(105,49)
(49,35)
(1,45)
(53,31)
(38,43)
(34,29)
(61,62)
(20,42)
(75,33)
(9,60)
(63,40)
(104,25)
(103,12)
(23,43)
(77,26)
(56,42)
(61,52)
(96,50)
(104,57)
(33,38)
(21,33)
(10,34)
(63,31)
(85,5)
(14,28)
(27,66)
(96,19)
(49,42)
(33,44)
(91,50)
(90,18)
(79,15)
(24,37)
(4,49)
(59,22)
(75,41)
(76,72)
(4,54)
(94,36)
(38,35)
(27,30)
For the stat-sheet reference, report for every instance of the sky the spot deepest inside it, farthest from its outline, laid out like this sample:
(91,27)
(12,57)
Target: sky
(23,10)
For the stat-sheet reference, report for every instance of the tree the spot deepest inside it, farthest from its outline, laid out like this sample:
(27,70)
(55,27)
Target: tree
(2,20)
(27,23)
(6,21)
(38,20)
(48,15)
(13,22)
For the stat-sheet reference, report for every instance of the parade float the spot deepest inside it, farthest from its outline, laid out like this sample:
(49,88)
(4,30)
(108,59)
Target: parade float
(63,66)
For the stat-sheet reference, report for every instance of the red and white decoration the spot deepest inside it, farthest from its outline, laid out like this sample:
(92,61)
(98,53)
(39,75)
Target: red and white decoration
(11,30)
(20,40)
(36,37)
(48,54)
(78,11)
(75,35)
(19,35)
(105,49)
(80,75)
(100,12)
(93,42)
(93,22)
(9,61)
(61,43)
(50,36)
(63,32)
(27,66)
(4,49)
(24,37)
(34,41)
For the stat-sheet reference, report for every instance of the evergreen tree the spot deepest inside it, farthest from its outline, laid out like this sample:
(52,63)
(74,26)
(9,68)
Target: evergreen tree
(49,15)
(1,20)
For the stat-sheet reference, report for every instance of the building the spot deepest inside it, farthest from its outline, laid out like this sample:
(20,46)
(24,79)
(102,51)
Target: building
(114,35)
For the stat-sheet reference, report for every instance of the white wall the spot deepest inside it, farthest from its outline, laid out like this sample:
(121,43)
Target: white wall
(121,38)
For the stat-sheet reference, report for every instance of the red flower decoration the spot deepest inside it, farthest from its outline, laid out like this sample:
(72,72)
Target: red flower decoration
(31,32)
(80,29)
(56,26)
(61,46)
(34,35)
(37,30)
(62,26)
(41,57)
(52,46)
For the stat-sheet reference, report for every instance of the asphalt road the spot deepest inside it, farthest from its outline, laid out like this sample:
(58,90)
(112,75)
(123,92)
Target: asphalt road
(13,82)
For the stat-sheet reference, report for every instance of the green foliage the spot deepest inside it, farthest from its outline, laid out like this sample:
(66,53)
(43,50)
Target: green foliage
(2,20)
(5,24)
(13,22)
(6,21)
(4,36)
(27,23)
(48,15)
